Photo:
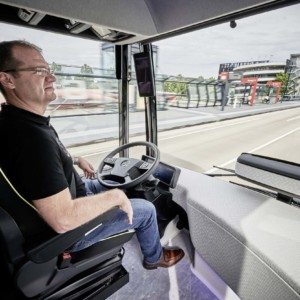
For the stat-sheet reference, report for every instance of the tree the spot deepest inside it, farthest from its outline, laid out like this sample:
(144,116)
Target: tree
(86,69)
(177,86)
(284,79)
(55,67)
(211,78)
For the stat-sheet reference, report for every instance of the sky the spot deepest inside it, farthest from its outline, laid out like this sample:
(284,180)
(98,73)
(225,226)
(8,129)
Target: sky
(270,36)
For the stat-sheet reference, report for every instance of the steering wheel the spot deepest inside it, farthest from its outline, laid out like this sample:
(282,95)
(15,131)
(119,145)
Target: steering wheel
(127,172)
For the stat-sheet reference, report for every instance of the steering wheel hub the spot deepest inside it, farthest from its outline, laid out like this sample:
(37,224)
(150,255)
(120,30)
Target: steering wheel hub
(125,172)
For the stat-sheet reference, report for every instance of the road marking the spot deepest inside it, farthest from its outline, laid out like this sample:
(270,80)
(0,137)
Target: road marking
(262,109)
(86,132)
(253,150)
(191,111)
(207,129)
(182,120)
(291,119)
(179,135)
(99,152)
(187,133)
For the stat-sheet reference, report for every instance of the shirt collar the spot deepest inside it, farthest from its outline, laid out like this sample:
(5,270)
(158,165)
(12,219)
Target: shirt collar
(10,110)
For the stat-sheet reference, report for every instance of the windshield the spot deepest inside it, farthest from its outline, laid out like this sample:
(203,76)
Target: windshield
(220,91)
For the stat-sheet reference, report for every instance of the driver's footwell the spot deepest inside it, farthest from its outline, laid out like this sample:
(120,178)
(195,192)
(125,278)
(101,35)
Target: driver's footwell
(177,282)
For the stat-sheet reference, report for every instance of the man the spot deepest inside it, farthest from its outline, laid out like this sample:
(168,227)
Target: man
(41,169)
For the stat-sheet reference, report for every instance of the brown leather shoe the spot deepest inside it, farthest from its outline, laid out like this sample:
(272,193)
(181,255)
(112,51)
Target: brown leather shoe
(170,256)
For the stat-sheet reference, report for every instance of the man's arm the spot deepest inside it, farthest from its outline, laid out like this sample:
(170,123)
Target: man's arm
(63,214)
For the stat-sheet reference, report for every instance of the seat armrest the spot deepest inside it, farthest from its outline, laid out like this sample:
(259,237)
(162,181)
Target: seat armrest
(59,243)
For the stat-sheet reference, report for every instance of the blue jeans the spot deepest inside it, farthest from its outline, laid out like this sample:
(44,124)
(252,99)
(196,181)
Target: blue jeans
(144,222)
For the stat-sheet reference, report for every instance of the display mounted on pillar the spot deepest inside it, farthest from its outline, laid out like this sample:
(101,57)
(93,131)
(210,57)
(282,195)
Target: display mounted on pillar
(144,74)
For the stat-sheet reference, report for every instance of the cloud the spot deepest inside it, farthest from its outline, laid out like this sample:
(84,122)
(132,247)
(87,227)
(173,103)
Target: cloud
(273,35)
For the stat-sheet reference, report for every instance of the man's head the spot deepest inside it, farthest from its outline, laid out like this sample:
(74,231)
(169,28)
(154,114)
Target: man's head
(25,77)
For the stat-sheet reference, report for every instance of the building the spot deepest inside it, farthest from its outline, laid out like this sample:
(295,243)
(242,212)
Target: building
(264,72)
(293,71)
(243,76)
(229,67)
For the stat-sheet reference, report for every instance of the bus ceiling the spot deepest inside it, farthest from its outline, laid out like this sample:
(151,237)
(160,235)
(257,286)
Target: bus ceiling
(127,22)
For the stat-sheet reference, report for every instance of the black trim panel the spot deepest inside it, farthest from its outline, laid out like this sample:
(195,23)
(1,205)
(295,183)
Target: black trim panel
(227,18)
(9,14)
(277,166)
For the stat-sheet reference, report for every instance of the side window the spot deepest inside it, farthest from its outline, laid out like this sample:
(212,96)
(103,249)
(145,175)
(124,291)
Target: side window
(85,111)
(215,76)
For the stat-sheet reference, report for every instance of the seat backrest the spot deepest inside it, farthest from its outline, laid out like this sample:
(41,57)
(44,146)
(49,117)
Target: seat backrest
(11,238)
(33,228)
(31,252)
(40,242)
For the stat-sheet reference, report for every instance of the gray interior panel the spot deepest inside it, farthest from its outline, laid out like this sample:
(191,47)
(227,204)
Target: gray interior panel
(251,240)
(191,12)
(130,16)
(284,184)
(146,20)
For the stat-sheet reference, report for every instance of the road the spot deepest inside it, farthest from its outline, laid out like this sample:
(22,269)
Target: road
(199,148)
(86,125)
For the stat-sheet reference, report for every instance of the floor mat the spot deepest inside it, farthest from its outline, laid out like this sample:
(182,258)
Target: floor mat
(177,282)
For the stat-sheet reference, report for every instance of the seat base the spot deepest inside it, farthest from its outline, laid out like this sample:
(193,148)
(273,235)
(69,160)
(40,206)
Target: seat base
(100,287)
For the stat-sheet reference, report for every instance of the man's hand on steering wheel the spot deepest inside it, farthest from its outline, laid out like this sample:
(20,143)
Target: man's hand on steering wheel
(86,167)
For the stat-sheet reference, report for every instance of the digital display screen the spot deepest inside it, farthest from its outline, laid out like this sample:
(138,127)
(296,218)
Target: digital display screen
(144,75)
(164,173)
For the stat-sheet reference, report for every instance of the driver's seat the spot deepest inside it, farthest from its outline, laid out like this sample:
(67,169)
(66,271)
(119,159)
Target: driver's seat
(40,267)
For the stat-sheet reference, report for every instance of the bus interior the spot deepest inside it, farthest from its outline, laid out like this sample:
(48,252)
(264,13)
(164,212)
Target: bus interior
(241,238)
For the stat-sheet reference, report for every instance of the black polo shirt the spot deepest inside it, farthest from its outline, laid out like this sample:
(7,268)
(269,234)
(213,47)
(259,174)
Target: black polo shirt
(32,156)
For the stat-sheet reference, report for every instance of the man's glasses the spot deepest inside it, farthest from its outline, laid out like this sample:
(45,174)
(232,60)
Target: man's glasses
(41,71)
